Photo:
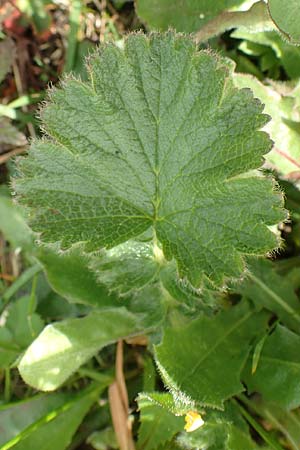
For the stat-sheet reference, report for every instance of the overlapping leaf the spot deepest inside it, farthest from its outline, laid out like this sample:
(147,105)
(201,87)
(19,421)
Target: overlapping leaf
(166,401)
(187,15)
(269,290)
(158,425)
(201,362)
(286,15)
(254,19)
(278,371)
(63,347)
(127,268)
(70,274)
(158,137)
(131,269)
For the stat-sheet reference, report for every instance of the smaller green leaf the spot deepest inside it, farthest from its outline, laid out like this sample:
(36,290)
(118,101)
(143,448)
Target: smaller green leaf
(158,425)
(186,15)
(278,371)
(269,290)
(70,276)
(167,401)
(64,346)
(56,429)
(74,276)
(150,305)
(255,19)
(191,301)
(201,362)
(128,267)
(286,16)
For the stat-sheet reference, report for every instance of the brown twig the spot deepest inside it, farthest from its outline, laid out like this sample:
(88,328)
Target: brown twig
(118,402)
(16,151)
(4,266)
(120,375)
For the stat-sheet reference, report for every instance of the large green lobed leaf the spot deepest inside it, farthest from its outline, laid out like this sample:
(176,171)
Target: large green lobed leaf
(157,138)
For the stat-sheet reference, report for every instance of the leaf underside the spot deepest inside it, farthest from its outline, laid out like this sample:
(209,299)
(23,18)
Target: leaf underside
(158,138)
